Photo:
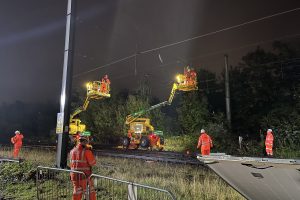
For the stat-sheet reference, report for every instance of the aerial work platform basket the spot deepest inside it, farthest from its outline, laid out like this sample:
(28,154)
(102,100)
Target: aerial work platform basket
(184,82)
(98,90)
(188,80)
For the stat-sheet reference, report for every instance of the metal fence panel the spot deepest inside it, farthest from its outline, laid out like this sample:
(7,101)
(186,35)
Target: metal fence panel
(3,160)
(55,183)
(115,189)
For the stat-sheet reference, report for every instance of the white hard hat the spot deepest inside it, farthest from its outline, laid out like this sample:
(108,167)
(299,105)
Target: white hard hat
(202,131)
(269,130)
(17,132)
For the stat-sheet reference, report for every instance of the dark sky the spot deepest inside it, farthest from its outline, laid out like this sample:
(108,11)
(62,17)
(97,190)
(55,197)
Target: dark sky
(32,40)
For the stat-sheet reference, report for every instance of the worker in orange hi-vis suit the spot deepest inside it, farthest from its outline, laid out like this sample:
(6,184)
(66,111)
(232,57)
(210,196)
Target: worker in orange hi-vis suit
(105,83)
(17,140)
(193,76)
(187,75)
(205,143)
(269,142)
(82,159)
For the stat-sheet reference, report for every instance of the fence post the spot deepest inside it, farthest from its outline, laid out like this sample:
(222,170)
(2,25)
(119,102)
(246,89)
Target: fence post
(87,193)
(132,192)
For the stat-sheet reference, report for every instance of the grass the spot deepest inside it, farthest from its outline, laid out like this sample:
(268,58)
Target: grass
(287,153)
(181,143)
(184,181)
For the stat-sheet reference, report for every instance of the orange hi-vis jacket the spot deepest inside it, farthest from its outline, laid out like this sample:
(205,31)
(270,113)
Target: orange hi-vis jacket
(17,140)
(204,141)
(81,159)
(269,140)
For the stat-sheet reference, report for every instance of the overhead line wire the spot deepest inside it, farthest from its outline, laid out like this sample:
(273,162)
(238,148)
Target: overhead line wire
(189,39)
(221,30)
(106,65)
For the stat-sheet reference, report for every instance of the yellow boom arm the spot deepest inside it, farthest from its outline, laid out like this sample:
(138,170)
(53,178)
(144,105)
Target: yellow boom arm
(80,109)
(132,117)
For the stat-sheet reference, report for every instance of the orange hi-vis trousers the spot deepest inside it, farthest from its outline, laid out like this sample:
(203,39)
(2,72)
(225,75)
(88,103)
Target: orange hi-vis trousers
(269,149)
(79,187)
(16,151)
(205,151)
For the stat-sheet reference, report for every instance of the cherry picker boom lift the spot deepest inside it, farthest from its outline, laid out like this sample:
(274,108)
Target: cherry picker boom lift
(95,90)
(141,132)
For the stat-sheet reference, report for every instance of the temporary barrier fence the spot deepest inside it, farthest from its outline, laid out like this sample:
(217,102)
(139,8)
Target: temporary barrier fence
(2,160)
(115,189)
(55,183)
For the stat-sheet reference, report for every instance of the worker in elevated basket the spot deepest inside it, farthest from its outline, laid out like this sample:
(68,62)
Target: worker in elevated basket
(269,142)
(82,159)
(17,140)
(193,76)
(105,84)
(205,143)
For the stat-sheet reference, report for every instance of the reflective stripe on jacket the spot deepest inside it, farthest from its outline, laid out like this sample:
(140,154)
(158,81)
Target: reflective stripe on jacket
(81,159)
(269,139)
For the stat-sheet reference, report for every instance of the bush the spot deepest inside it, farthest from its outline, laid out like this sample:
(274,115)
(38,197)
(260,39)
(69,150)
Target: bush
(285,123)
(18,180)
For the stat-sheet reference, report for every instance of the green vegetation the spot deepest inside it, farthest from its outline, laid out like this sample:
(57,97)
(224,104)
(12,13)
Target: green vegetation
(18,180)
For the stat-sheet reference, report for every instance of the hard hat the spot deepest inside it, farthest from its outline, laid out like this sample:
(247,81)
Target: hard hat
(106,76)
(269,130)
(17,132)
(202,131)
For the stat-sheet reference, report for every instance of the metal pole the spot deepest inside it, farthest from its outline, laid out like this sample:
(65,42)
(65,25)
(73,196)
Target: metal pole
(227,92)
(62,138)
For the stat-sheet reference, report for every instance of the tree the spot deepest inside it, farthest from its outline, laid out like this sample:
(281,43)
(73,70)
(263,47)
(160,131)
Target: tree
(192,112)
(260,85)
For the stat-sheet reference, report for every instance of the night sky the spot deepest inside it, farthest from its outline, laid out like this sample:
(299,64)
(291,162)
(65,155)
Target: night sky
(32,37)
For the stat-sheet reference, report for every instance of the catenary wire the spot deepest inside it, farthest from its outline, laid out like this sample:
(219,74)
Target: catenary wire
(187,40)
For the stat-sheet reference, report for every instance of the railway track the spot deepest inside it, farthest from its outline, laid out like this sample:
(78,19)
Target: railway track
(157,156)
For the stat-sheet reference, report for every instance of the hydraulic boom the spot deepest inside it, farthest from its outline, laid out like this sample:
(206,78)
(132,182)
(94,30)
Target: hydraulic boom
(95,90)
(141,132)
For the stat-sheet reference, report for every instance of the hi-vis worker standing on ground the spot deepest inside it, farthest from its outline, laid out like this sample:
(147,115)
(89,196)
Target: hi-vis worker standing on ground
(269,142)
(205,143)
(17,140)
(82,159)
